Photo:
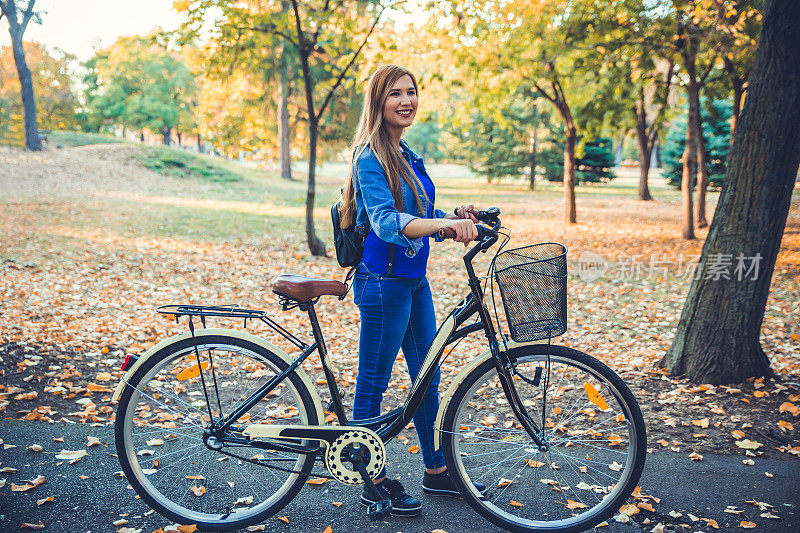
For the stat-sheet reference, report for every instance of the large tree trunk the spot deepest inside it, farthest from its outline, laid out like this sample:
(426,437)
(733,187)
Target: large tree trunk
(32,141)
(315,245)
(570,215)
(284,133)
(702,168)
(166,133)
(532,176)
(717,339)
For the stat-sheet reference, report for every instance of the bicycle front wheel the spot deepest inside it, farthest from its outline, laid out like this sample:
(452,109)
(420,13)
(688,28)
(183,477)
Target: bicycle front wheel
(162,416)
(593,429)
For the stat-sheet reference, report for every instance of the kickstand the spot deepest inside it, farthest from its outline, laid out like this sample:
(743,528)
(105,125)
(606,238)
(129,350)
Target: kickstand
(381,507)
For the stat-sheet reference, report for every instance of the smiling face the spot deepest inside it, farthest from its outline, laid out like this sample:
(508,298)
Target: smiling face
(400,106)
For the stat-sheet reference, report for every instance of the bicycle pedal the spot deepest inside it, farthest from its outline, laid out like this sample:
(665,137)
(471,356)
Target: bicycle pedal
(379,510)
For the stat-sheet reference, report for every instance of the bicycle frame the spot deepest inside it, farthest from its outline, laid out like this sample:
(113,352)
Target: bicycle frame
(389,425)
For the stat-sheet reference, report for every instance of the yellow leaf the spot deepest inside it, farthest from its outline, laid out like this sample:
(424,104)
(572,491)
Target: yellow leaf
(94,387)
(104,350)
(790,408)
(192,371)
(190,528)
(646,506)
(786,425)
(197,491)
(738,433)
(45,500)
(413,449)
(703,423)
(328,530)
(317,481)
(760,394)
(713,523)
(629,509)
(594,396)
(694,456)
(284,519)
(747,525)
(337,504)
(515,503)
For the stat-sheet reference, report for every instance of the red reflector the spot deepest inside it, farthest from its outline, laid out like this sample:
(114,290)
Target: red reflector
(128,359)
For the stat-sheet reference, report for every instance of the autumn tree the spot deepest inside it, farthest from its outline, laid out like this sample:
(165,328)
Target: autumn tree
(19,14)
(717,338)
(52,82)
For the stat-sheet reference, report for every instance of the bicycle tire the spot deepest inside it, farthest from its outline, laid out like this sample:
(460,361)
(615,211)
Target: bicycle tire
(156,499)
(618,394)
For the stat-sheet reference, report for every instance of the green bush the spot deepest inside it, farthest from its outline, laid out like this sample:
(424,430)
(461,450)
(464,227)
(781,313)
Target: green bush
(174,162)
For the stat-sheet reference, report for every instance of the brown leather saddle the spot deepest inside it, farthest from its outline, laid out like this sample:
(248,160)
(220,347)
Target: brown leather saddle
(304,289)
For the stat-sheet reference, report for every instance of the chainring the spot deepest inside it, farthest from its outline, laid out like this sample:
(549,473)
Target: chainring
(345,472)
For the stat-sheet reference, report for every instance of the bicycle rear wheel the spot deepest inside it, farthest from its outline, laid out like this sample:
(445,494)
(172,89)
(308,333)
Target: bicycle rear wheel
(593,427)
(159,433)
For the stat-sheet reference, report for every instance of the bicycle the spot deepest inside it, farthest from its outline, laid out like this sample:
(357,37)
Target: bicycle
(221,428)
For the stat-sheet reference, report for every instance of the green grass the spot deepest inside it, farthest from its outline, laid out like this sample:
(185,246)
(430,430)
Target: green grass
(69,139)
(174,162)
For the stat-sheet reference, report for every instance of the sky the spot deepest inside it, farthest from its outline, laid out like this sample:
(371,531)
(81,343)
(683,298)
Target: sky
(81,26)
(78,26)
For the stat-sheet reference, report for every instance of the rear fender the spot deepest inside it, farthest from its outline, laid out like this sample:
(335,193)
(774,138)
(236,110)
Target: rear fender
(228,333)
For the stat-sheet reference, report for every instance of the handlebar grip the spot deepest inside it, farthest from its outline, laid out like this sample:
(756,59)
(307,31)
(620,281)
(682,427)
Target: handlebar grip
(450,233)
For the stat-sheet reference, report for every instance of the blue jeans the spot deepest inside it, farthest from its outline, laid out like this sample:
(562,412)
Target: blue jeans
(395,313)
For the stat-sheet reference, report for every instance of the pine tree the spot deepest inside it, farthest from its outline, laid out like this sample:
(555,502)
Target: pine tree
(595,164)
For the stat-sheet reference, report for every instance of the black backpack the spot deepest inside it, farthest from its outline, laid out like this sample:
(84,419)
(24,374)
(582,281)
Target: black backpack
(349,243)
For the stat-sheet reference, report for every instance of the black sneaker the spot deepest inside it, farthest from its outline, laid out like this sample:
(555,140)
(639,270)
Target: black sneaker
(392,490)
(442,485)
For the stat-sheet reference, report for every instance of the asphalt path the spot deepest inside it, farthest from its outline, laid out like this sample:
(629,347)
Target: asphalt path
(87,496)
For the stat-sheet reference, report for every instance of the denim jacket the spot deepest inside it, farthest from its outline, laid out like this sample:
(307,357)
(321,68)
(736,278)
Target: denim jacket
(375,204)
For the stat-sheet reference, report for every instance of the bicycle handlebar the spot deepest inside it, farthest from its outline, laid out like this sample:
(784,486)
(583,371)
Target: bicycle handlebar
(489,216)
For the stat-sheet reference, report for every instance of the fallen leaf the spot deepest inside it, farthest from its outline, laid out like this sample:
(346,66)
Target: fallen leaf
(197,490)
(337,504)
(120,522)
(155,442)
(413,449)
(317,481)
(646,506)
(713,523)
(72,455)
(35,448)
(575,505)
(257,527)
(515,503)
(749,462)
(27,525)
(328,530)
(92,441)
(703,423)
(694,456)
(788,407)
(748,444)
(503,482)
(615,466)
(786,425)
(20,488)
(629,509)
(738,433)
(45,500)
(747,525)
(38,480)
(8,470)
(283,519)
(58,439)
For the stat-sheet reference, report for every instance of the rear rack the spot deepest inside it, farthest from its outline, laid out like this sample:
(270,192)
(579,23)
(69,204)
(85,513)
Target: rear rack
(228,311)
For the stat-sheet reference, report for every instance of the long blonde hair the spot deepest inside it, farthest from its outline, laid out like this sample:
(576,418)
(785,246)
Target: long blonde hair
(372,134)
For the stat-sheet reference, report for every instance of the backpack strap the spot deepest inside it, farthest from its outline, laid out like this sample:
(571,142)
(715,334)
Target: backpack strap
(348,281)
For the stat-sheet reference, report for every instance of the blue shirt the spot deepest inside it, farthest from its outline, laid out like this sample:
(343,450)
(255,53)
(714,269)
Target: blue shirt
(377,251)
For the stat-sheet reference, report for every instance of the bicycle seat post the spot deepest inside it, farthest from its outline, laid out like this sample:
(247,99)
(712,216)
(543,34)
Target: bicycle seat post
(333,388)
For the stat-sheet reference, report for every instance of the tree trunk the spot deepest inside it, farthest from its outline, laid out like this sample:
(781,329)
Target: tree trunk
(166,133)
(199,144)
(645,148)
(284,133)
(570,215)
(689,160)
(702,165)
(533,160)
(717,339)
(180,139)
(315,245)
(32,141)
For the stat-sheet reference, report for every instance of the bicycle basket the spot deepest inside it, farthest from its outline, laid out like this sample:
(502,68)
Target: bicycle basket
(533,286)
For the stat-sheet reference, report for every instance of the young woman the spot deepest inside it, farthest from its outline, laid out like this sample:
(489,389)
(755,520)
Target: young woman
(390,198)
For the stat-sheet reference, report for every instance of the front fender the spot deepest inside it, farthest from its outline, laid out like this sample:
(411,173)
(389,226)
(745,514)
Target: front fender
(228,333)
(444,400)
